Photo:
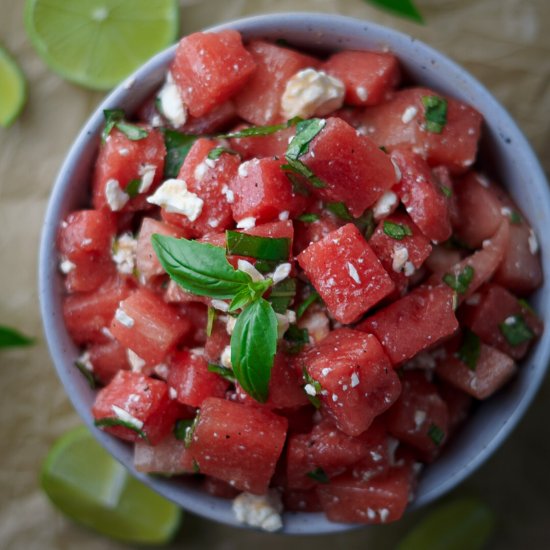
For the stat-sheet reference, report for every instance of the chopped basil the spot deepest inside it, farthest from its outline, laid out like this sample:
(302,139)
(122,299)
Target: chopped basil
(224,372)
(11,338)
(211,318)
(309,381)
(110,422)
(447,191)
(436,434)
(527,306)
(306,130)
(132,189)
(177,146)
(181,427)
(217,152)
(470,349)
(516,330)
(309,217)
(296,338)
(365,224)
(302,308)
(461,281)
(515,217)
(318,474)
(249,293)
(404,8)
(86,373)
(253,131)
(298,167)
(266,266)
(397,231)
(340,210)
(298,188)
(262,248)
(196,467)
(115,118)
(435,113)
(282,294)
(190,430)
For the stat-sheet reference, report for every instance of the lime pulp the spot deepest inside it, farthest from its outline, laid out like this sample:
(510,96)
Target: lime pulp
(13,89)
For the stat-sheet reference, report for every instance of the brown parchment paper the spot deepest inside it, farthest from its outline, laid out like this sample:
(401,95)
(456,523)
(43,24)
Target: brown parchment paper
(505,43)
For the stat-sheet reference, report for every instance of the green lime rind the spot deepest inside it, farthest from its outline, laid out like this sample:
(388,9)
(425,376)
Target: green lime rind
(85,483)
(462,523)
(98,43)
(13,89)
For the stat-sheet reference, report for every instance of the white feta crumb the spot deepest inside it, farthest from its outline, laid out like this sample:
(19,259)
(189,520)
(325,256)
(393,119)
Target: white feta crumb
(317,324)
(172,393)
(510,320)
(263,511)
(284,215)
(243,169)
(228,194)
(147,173)
(392,447)
(219,304)
(246,223)
(116,197)
(384,205)
(211,163)
(213,223)
(125,416)
(124,253)
(230,325)
(408,114)
(225,358)
(123,318)
(400,256)
(283,323)
(362,93)
(106,332)
(354,380)
(161,370)
(533,242)
(200,171)
(353,272)
(482,180)
(171,103)
(419,418)
(474,299)
(371,514)
(505,211)
(136,362)
(174,197)
(124,151)
(397,171)
(384,513)
(310,389)
(409,269)
(247,267)
(282,271)
(334,397)
(66,266)
(85,361)
(310,92)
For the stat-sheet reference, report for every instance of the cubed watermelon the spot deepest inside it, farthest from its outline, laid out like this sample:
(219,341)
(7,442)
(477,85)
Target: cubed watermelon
(107,359)
(88,273)
(219,488)
(270,145)
(296,500)
(165,458)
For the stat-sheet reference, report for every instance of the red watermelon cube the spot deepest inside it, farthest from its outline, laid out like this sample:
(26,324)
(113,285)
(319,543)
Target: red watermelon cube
(107,359)
(168,457)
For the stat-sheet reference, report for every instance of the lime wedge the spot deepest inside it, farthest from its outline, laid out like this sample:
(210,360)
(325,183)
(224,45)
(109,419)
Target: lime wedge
(456,525)
(13,89)
(93,489)
(97,43)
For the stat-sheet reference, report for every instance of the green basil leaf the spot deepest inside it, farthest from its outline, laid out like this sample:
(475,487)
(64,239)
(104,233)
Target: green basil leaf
(318,474)
(266,266)
(224,372)
(298,188)
(365,224)
(306,130)
(196,467)
(181,427)
(262,248)
(190,431)
(404,8)
(177,146)
(435,113)
(242,298)
(302,308)
(447,191)
(516,330)
(217,152)
(298,167)
(340,210)
(200,268)
(87,374)
(253,348)
(112,116)
(470,349)
(515,217)
(131,131)
(260,130)
(527,306)
(110,422)
(211,318)
(11,338)
(296,338)
(132,189)
(282,294)
(461,281)
(309,217)
(397,231)
(436,434)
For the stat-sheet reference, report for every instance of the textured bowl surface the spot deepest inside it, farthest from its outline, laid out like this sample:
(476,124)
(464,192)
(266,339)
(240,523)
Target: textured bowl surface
(507,156)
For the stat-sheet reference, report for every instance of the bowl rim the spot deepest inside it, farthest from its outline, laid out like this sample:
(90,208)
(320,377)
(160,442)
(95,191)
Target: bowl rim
(201,503)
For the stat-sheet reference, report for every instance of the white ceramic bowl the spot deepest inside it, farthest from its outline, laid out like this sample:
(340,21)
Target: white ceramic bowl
(513,163)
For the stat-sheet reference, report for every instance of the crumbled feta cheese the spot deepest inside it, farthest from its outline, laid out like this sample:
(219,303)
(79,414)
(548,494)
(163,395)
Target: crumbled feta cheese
(200,171)
(400,256)
(505,211)
(125,416)
(243,169)
(229,195)
(174,197)
(353,272)
(124,253)
(263,511)
(247,267)
(317,324)
(282,324)
(510,320)
(123,318)
(225,358)
(311,93)
(211,163)
(66,266)
(398,174)
(371,514)
(362,93)
(482,180)
(310,389)
(384,513)
(172,393)
(246,223)
(85,361)
(354,380)
(281,272)
(533,242)
(171,103)
(136,362)
(408,114)
(419,418)
(106,332)
(284,215)
(116,197)
(384,205)
(147,173)
(219,304)
(161,370)
(124,151)
(230,325)
(409,269)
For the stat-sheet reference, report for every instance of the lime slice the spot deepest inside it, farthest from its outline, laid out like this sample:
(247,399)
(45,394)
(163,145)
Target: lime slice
(93,489)
(97,43)
(13,89)
(463,523)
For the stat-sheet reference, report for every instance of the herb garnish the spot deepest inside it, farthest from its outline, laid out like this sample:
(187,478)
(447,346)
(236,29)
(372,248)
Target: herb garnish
(516,330)
(397,231)
(461,281)
(296,338)
(253,131)
(302,308)
(298,167)
(86,373)
(340,210)
(282,294)
(224,372)
(181,427)
(217,152)
(114,118)
(435,113)
(132,189)
(515,217)
(470,349)
(447,191)
(110,422)
(177,146)
(436,434)
(404,8)
(262,248)
(318,474)
(309,217)
(211,317)
(309,381)
(11,338)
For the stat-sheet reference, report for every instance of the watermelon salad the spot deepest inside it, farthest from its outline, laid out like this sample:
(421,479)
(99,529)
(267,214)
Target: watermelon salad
(293,283)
